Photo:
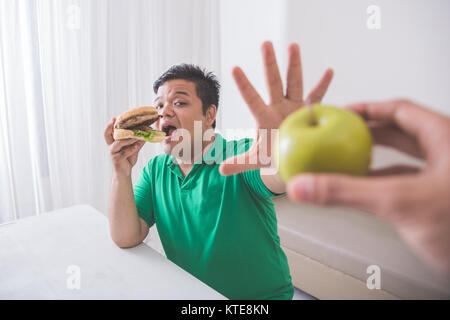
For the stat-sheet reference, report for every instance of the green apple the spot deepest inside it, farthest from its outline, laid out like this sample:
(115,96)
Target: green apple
(338,142)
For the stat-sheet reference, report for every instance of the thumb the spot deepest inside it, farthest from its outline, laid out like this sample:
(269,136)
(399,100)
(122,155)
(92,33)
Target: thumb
(336,189)
(239,163)
(136,148)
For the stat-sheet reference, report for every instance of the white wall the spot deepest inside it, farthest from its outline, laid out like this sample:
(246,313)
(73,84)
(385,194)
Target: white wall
(245,25)
(408,57)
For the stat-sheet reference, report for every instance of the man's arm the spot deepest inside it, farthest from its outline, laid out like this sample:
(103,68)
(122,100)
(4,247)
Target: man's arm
(270,116)
(273,182)
(126,228)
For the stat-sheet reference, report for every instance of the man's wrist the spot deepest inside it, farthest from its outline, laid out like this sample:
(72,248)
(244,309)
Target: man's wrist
(273,183)
(121,177)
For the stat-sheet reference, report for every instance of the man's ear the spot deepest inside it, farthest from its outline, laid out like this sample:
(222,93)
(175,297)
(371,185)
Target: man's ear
(211,113)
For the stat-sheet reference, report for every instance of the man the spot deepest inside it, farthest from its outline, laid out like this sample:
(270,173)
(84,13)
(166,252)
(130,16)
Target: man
(416,201)
(222,229)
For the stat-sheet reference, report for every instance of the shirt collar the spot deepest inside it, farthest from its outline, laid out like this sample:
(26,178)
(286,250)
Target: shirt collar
(213,156)
(215,153)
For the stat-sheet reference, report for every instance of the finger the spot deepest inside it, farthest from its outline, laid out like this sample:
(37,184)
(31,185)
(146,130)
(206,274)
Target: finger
(406,115)
(318,92)
(230,166)
(414,120)
(128,151)
(394,170)
(393,137)
(272,72)
(138,146)
(387,197)
(116,146)
(141,145)
(248,92)
(334,190)
(109,137)
(238,164)
(133,157)
(294,90)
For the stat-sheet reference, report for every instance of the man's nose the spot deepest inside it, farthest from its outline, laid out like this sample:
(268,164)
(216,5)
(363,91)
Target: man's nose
(166,111)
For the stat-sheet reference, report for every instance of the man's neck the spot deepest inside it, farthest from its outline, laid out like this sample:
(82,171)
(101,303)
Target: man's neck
(186,166)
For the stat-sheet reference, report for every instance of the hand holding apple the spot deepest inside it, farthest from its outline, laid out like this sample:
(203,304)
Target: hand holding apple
(414,199)
(337,141)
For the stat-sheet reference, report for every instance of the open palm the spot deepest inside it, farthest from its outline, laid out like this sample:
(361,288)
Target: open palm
(281,104)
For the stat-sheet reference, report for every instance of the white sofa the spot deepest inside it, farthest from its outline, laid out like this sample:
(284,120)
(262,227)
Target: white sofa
(329,251)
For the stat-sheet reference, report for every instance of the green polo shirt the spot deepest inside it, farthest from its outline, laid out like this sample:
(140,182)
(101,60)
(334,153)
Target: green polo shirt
(222,230)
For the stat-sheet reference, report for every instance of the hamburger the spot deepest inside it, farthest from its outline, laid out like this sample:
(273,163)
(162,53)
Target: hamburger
(135,123)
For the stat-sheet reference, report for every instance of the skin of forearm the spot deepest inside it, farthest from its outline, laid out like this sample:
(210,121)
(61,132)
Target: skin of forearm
(273,182)
(125,228)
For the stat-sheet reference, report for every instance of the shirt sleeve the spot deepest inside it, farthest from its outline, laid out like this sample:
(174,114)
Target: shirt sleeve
(252,178)
(143,190)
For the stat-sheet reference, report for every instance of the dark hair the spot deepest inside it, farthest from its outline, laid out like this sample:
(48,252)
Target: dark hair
(206,83)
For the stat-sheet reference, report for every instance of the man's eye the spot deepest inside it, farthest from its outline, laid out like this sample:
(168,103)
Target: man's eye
(159,107)
(179,103)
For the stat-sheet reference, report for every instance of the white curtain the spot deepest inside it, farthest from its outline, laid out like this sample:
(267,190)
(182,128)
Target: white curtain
(66,68)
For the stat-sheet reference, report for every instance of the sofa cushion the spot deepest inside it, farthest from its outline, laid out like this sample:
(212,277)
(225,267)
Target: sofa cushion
(351,241)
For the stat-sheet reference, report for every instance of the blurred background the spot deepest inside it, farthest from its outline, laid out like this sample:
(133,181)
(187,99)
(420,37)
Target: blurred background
(68,67)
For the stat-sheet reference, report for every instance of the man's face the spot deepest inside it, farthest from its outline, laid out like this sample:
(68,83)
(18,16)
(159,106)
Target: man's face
(178,106)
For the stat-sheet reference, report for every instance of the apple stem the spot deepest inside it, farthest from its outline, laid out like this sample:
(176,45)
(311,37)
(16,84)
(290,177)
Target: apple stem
(312,119)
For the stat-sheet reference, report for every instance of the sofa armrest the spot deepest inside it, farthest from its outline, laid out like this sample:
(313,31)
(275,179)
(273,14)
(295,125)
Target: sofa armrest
(348,242)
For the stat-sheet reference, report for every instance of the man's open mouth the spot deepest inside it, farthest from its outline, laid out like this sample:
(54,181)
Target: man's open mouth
(168,129)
